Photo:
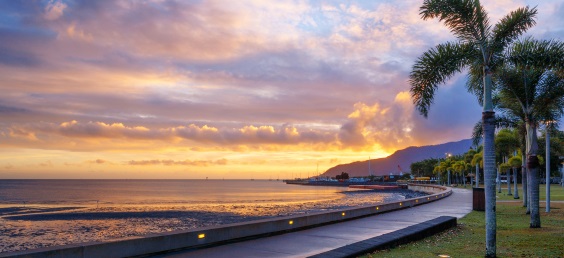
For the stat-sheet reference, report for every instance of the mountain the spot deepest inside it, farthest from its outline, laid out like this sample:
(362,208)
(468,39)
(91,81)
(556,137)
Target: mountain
(403,158)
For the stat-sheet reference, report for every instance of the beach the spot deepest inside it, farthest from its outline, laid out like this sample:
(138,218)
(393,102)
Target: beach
(35,226)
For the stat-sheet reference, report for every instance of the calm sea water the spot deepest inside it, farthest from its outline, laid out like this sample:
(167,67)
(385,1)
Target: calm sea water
(151,192)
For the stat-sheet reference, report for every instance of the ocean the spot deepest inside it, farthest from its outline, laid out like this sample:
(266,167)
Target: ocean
(42,213)
(130,192)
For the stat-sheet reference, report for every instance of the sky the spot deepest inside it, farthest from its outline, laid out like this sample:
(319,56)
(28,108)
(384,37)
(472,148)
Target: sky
(221,89)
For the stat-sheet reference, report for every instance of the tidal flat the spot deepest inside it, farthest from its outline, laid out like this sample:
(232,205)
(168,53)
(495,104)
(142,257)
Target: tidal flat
(36,226)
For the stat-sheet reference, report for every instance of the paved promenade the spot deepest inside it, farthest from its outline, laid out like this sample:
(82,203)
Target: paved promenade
(321,239)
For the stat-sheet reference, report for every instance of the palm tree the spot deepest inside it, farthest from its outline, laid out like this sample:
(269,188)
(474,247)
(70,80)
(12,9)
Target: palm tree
(440,169)
(478,45)
(505,144)
(468,167)
(477,161)
(506,167)
(447,167)
(527,82)
(460,167)
(468,156)
(515,163)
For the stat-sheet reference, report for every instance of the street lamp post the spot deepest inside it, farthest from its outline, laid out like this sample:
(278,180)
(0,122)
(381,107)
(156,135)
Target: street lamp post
(448,169)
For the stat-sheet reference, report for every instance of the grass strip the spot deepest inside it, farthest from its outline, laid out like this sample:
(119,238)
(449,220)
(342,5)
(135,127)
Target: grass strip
(514,237)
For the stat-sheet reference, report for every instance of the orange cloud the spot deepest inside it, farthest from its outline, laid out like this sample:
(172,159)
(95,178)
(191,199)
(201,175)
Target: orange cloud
(389,127)
(46,164)
(284,135)
(194,163)
(19,133)
(98,161)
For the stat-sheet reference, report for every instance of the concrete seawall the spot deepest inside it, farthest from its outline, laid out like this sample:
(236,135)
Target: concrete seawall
(201,237)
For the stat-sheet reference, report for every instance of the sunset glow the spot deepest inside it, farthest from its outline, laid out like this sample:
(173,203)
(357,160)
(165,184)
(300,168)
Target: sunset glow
(221,89)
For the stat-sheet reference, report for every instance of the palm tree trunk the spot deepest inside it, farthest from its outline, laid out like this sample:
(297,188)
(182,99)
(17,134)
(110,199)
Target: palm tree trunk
(524,182)
(547,162)
(508,182)
(464,179)
(515,189)
(529,187)
(533,165)
(533,169)
(488,118)
(498,180)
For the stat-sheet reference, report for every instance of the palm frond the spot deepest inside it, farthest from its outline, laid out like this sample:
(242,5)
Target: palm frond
(467,19)
(477,133)
(550,98)
(435,67)
(545,54)
(500,122)
(512,26)
(475,81)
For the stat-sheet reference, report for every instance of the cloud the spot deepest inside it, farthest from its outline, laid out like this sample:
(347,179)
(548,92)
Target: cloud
(19,133)
(47,164)
(54,9)
(169,162)
(98,162)
(100,129)
(382,125)
(285,134)
(215,76)
(387,126)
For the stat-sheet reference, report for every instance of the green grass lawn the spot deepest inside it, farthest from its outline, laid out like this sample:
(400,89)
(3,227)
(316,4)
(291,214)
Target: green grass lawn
(556,192)
(514,237)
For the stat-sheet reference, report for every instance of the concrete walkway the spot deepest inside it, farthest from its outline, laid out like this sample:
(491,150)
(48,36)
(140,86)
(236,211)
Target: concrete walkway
(321,239)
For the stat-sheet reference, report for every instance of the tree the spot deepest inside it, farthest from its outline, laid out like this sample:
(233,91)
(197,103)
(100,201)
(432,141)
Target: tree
(478,45)
(424,167)
(343,176)
(477,161)
(505,144)
(556,148)
(460,167)
(530,88)
(515,163)
(441,169)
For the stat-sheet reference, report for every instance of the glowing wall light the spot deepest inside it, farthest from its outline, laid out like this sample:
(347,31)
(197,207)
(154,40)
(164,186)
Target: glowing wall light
(291,222)
(343,214)
(201,236)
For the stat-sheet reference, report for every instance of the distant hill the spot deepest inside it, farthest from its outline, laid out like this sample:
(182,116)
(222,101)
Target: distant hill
(404,158)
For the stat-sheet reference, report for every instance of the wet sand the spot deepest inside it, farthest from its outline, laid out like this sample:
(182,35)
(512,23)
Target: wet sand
(35,226)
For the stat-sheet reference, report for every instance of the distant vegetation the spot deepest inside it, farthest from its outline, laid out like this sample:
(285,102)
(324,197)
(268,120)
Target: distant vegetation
(508,149)
(343,176)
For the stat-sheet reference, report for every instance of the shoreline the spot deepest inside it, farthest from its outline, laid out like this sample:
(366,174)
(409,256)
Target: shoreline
(31,227)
